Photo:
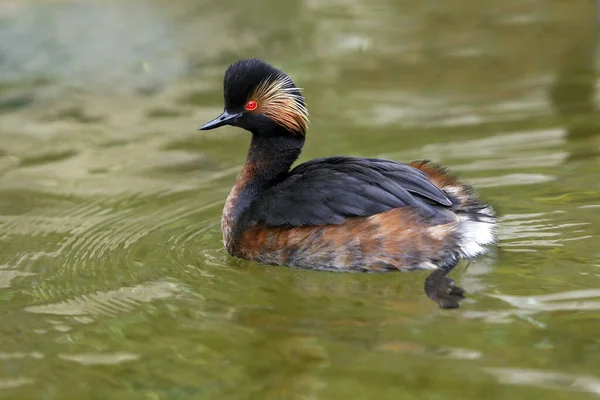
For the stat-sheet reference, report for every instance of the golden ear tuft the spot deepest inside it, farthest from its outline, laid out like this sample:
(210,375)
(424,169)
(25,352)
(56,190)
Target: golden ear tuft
(281,101)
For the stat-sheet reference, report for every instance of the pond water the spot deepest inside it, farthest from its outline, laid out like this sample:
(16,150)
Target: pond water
(113,279)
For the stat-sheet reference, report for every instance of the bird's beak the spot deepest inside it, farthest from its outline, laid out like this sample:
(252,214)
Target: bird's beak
(223,119)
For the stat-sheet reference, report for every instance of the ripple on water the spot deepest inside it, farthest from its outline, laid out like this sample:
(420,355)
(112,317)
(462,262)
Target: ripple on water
(88,231)
(7,275)
(511,180)
(525,232)
(547,379)
(516,151)
(19,356)
(12,383)
(504,147)
(47,158)
(109,303)
(100,358)
(525,307)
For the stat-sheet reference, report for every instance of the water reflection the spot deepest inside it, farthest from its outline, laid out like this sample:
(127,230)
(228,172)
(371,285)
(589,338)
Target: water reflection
(546,379)
(110,249)
(525,307)
(100,359)
(70,42)
(12,383)
(573,93)
(110,303)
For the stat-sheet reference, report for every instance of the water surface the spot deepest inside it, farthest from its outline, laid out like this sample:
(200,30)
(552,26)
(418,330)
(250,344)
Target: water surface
(113,279)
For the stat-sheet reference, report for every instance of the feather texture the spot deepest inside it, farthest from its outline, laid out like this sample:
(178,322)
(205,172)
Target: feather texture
(279,99)
(330,190)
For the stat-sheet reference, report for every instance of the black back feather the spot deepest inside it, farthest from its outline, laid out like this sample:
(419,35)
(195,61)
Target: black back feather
(329,190)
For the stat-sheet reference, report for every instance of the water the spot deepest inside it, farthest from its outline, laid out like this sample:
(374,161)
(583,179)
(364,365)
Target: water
(113,279)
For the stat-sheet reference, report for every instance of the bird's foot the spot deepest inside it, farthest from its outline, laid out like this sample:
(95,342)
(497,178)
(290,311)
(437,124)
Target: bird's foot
(443,290)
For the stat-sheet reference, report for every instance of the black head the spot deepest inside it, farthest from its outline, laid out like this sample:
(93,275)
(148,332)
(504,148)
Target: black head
(261,99)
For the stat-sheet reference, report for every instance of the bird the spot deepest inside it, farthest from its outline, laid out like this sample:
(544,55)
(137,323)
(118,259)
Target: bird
(339,213)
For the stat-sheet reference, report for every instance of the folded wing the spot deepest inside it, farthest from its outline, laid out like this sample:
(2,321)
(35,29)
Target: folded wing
(330,190)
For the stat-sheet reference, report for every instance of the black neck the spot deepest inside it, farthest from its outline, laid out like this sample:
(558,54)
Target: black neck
(268,162)
(272,156)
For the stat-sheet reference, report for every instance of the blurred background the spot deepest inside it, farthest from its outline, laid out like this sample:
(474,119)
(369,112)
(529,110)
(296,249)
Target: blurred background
(113,279)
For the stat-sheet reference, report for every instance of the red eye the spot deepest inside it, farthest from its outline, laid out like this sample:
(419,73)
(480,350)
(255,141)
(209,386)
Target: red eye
(251,105)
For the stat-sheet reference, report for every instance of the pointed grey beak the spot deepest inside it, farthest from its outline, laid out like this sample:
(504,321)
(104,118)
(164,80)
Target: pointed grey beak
(223,119)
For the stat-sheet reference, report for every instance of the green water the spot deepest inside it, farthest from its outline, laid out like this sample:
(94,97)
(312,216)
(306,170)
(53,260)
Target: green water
(113,280)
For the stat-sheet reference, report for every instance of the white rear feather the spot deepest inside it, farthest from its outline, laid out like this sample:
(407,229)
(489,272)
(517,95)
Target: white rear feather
(476,234)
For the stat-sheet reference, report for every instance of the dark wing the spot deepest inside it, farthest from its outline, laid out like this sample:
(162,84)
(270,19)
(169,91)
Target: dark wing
(329,190)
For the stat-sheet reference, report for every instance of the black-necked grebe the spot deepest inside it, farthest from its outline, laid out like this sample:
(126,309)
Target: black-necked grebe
(339,213)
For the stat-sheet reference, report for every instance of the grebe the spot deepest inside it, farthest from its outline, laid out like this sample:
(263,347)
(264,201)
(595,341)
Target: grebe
(339,213)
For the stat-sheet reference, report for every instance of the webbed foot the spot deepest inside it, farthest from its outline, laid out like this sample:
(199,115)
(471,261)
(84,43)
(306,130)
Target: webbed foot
(443,290)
